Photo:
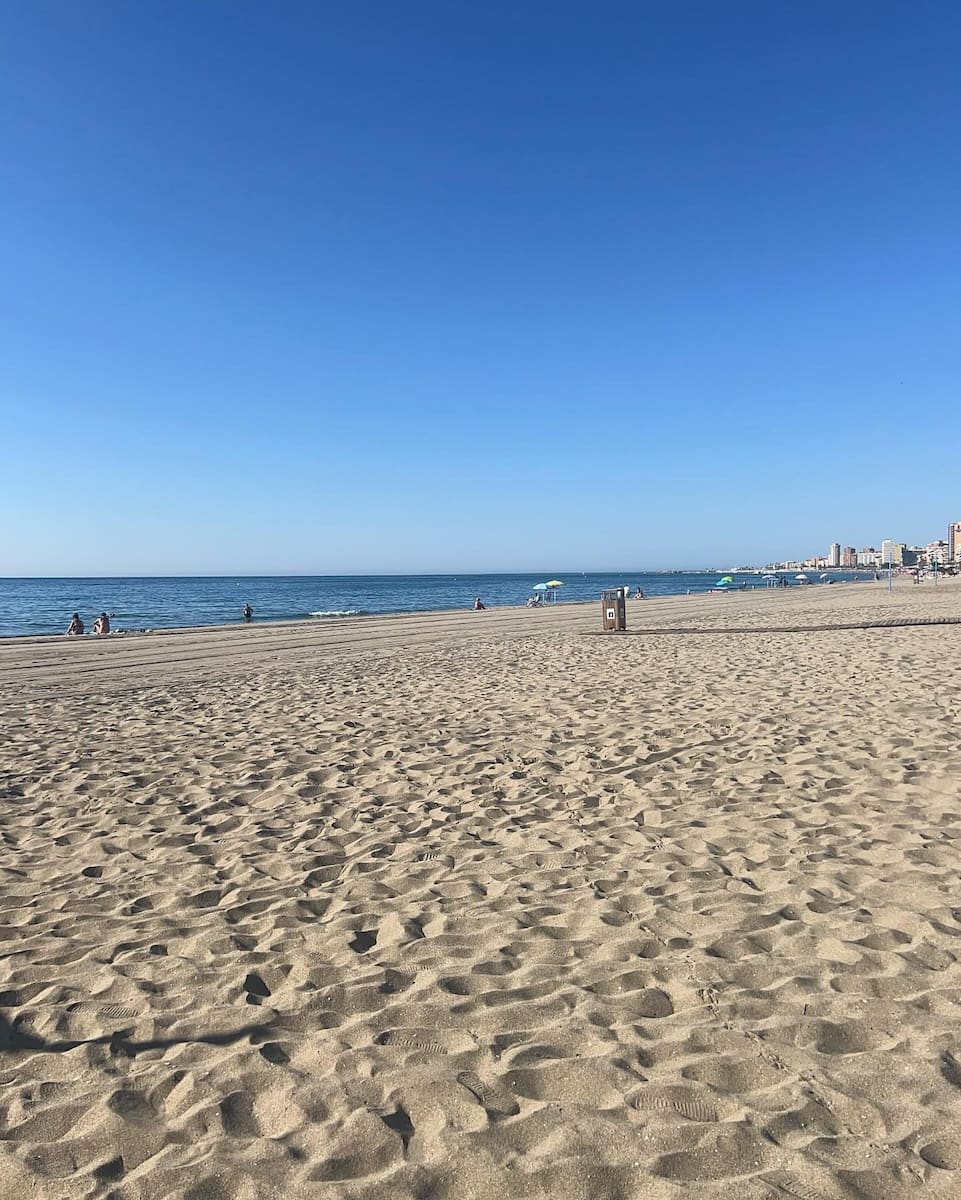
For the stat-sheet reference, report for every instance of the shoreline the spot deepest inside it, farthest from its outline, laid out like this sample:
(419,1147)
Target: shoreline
(153,604)
(406,614)
(128,659)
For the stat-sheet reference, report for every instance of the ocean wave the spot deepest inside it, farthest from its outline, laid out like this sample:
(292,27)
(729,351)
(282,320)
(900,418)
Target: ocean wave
(338,612)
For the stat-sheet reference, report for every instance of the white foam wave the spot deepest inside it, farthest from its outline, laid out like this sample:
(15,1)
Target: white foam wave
(337,612)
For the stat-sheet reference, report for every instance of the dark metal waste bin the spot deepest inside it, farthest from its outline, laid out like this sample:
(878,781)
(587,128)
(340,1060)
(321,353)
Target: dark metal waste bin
(613,610)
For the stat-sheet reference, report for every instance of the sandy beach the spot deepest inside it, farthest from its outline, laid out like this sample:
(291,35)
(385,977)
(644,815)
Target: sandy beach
(487,905)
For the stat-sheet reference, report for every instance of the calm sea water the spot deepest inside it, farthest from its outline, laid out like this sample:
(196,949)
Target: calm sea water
(32,606)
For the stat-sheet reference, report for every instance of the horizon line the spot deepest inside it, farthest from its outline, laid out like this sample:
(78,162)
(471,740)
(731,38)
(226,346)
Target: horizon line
(402,574)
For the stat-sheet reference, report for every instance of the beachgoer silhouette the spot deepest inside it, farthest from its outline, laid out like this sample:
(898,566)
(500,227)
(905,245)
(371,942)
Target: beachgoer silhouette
(75,627)
(479,605)
(248,612)
(102,625)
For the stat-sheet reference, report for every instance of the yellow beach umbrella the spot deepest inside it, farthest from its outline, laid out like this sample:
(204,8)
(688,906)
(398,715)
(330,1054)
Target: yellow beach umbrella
(555,583)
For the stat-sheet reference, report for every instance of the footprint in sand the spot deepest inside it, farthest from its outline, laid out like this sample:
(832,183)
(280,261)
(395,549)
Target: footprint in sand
(496,1101)
(944,1153)
(396,981)
(797,1189)
(683,1101)
(401,1039)
(117,1012)
(735,1150)
(132,1106)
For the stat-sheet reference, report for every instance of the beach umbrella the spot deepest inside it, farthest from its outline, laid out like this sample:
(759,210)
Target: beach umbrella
(540,587)
(804,577)
(555,583)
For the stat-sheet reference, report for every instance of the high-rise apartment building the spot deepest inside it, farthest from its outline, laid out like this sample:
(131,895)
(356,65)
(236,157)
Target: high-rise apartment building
(834,555)
(892,552)
(954,542)
(849,557)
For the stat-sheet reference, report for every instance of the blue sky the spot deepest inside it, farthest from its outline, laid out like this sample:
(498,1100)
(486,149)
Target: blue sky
(307,287)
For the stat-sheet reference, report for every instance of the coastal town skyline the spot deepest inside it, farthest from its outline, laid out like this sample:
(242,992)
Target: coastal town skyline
(941,552)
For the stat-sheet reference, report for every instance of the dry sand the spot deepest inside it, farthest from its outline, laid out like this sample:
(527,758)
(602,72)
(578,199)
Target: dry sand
(482,905)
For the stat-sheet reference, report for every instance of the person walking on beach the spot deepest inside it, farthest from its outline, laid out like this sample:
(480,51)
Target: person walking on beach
(75,628)
(248,614)
(101,626)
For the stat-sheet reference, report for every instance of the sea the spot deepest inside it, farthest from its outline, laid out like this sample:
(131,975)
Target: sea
(41,606)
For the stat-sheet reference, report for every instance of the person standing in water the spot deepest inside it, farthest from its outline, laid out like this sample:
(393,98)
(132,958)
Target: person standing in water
(248,614)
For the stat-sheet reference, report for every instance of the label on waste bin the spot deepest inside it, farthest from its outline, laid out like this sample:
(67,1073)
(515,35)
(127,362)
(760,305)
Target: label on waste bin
(610,614)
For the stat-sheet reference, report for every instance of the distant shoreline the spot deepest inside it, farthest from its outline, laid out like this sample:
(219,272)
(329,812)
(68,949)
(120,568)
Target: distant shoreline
(653,606)
(42,607)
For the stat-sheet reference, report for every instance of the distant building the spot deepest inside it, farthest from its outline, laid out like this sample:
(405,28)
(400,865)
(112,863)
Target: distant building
(954,542)
(892,552)
(912,556)
(936,553)
(834,555)
(849,557)
(869,557)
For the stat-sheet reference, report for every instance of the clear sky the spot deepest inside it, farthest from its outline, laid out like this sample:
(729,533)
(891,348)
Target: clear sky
(447,285)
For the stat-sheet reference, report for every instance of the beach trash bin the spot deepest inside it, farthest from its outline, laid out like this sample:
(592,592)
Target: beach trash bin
(613,610)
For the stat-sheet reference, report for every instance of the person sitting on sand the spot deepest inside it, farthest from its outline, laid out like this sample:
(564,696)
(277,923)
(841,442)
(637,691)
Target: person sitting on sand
(248,613)
(101,626)
(75,628)
(479,605)
(533,601)
(639,594)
